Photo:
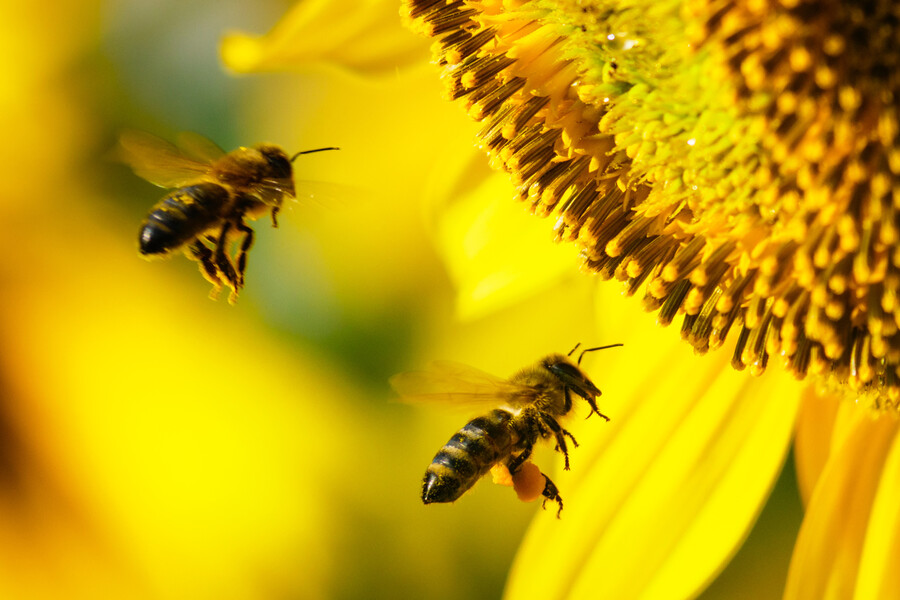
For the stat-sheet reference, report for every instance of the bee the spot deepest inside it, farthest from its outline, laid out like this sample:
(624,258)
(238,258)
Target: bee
(531,404)
(214,193)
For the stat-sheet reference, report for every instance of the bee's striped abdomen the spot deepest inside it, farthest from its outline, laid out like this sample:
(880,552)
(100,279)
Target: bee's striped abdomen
(181,216)
(467,457)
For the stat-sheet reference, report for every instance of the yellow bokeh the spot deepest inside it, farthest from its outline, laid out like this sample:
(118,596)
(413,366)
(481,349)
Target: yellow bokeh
(157,444)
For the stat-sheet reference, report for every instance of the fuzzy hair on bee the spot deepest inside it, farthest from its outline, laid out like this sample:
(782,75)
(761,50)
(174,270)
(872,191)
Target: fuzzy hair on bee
(214,194)
(528,408)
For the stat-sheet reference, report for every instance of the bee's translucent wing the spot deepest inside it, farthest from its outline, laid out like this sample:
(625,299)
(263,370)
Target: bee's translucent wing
(159,161)
(198,147)
(273,191)
(456,383)
(329,193)
(321,192)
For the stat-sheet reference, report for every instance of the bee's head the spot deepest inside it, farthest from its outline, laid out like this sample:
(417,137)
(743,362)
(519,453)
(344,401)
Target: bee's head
(571,376)
(279,165)
(574,379)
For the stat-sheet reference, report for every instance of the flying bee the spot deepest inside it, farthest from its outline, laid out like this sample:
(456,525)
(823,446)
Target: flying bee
(531,404)
(215,192)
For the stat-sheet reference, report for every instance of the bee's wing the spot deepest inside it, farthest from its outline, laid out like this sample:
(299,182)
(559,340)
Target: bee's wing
(329,193)
(320,194)
(301,188)
(158,161)
(199,147)
(456,383)
(272,190)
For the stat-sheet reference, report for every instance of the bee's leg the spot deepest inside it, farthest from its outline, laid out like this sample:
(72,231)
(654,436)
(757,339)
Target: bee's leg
(593,402)
(242,253)
(516,462)
(203,255)
(275,210)
(224,263)
(551,493)
(560,435)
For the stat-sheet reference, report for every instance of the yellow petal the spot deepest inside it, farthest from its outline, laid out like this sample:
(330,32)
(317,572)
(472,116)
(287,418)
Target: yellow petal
(366,36)
(826,557)
(495,251)
(813,441)
(879,576)
(375,254)
(660,497)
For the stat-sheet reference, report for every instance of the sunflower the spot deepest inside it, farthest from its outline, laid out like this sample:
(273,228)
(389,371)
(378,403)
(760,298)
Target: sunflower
(736,164)
(760,206)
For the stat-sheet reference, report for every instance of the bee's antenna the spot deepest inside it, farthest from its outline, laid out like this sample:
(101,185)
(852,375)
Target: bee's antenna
(294,157)
(586,350)
(573,349)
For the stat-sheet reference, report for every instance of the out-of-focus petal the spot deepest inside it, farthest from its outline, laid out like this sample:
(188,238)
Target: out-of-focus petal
(364,36)
(496,253)
(374,249)
(837,522)
(813,439)
(661,496)
(34,114)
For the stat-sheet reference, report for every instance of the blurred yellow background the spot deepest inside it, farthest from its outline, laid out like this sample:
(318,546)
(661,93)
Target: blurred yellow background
(156,444)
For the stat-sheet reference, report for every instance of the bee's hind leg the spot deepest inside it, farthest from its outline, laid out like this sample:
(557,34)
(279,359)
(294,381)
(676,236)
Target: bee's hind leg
(242,252)
(551,493)
(514,464)
(224,263)
(203,255)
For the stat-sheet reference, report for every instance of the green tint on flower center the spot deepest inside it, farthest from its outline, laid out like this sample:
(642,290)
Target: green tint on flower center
(738,161)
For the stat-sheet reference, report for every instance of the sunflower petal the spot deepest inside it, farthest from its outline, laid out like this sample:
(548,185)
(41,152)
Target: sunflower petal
(366,36)
(666,496)
(878,573)
(813,441)
(827,555)
(495,252)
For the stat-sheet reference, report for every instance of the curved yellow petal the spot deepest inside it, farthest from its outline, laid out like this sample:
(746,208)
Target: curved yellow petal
(659,498)
(826,557)
(879,576)
(365,36)
(813,438)
(495,252)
